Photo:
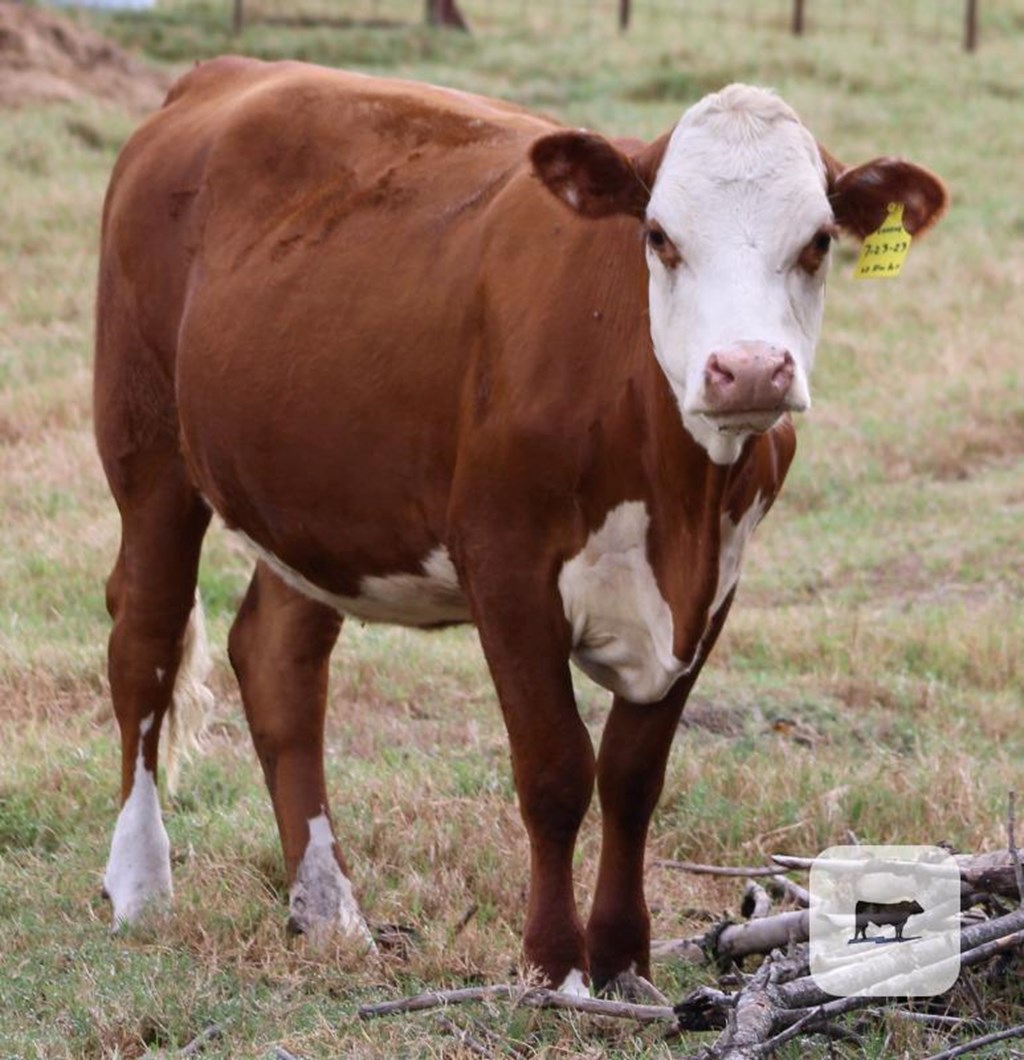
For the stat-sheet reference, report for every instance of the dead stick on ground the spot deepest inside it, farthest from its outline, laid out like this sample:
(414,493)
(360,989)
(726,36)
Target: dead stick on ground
(979,1043)
(716,870)
(1011,844)
(784,888)
(434,999)
(202,1040)
(756,902)
(464,1037)
(791,1031)
(992,872)
(931,1018)
(534,997)
(464,920)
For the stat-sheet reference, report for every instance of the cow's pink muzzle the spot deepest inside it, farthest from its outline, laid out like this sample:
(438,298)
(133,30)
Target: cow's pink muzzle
(748,385)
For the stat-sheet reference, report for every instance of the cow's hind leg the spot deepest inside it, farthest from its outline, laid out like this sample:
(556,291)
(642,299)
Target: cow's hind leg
(280,648)
(150,595)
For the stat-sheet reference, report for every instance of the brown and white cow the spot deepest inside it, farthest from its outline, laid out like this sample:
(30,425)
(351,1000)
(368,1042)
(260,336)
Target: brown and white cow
(440,360)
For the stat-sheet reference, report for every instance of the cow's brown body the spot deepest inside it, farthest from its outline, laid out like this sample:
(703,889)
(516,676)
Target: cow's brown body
(345,314)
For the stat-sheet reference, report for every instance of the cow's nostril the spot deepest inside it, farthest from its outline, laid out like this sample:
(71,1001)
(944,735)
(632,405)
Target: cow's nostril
(782,377)
(717,374)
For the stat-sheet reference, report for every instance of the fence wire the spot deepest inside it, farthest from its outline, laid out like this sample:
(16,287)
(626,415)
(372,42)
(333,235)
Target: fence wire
(932,20)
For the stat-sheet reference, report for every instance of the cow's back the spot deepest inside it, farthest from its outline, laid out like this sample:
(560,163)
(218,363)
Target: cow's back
(265,161)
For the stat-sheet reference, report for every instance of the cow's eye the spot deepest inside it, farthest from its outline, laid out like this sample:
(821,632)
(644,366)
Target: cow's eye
(660,243)
(816,251)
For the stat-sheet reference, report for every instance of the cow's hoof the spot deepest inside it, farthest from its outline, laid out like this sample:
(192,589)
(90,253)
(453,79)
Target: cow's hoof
(137,892)
(342,923)
(137,879)
(574,984)
(137,908)
(322,904)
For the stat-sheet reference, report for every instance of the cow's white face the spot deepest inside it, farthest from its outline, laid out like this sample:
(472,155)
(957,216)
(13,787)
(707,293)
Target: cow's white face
(738,230)
(739,206)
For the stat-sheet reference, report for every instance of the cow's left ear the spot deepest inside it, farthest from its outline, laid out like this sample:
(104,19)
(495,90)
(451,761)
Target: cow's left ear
(595,178)
(860,196)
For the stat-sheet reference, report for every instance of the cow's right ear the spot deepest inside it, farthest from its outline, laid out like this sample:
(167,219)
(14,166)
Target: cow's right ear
(590,174)
(860,195)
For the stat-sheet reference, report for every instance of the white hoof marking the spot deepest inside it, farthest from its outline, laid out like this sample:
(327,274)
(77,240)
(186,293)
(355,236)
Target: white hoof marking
(574,986)
(322,901)
(138,874)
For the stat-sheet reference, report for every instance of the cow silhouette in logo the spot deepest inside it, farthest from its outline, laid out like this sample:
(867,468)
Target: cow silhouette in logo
(881,914)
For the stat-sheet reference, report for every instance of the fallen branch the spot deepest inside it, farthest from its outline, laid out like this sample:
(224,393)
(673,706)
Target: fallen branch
(994,872)
(752,1018)
(781,888)
(715,870)
(436,998)
(202,1040)
(930,1018)
(1011,846)
(464,1038)
(732,942)
(792,1031)
(979,1043)
(762,936)
(534,997)
(704,1009)
(463,922)
(774,1002)
(756,903)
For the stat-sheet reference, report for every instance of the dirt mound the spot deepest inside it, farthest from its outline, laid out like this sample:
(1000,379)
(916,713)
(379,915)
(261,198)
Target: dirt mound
(46,58)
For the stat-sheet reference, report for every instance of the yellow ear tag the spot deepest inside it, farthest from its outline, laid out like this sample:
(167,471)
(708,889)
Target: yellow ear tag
(883,252)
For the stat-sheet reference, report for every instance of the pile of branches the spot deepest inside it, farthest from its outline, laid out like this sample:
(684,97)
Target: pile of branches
(780,1000)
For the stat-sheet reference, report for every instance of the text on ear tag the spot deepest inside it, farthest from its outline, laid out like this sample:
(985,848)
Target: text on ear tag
(883,252)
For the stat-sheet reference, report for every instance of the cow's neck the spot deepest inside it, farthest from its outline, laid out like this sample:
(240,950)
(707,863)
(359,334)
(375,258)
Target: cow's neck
(702,515)
(661,552)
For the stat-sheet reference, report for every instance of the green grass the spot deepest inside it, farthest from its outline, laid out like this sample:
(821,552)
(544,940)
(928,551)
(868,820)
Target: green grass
(871,676)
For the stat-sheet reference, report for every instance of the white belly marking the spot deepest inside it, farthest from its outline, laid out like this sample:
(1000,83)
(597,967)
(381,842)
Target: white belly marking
(621,624)
(426,599)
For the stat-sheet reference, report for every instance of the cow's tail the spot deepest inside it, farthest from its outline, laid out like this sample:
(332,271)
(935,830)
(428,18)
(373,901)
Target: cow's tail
(192,701)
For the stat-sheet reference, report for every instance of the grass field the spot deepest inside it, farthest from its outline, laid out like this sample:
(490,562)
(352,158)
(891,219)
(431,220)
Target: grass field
(871,676)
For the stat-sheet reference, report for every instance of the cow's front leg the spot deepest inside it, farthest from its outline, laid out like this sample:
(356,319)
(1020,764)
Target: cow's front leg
(630,774)
(527,647)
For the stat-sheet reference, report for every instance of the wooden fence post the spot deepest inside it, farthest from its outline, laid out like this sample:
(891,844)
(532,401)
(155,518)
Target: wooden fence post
(446,13)
(971,26)
(798,18)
